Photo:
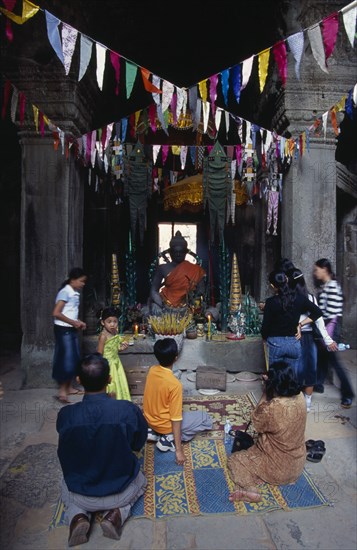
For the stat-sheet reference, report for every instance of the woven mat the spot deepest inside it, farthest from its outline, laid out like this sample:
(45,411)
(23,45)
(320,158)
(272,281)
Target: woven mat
(202,486)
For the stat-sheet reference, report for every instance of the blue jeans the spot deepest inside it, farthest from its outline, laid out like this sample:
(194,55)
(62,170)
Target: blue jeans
(331,359)
(284,348)
(67,354)
(307,366)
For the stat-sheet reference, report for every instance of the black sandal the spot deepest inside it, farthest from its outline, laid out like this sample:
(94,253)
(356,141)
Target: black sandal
(315,456)
(312,444)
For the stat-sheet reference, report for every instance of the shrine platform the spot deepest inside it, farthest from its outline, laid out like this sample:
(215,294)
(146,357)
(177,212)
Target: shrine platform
(229,355)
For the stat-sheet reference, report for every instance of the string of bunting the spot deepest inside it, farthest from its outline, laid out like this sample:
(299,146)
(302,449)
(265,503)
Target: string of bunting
(170,101)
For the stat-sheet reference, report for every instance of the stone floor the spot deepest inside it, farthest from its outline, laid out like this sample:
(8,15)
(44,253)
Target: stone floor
(28,443)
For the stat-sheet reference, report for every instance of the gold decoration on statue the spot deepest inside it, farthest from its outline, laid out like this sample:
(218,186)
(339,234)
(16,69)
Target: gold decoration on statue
(115,282)
(236,289)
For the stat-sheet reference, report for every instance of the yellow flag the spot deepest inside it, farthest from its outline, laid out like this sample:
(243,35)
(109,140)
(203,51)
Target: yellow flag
(263,63)
(137,116)
(176,149)
(28,11)
(203,89)
(35,116)
(340,105)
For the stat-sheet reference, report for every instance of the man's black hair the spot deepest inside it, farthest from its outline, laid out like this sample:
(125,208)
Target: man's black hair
(93,372)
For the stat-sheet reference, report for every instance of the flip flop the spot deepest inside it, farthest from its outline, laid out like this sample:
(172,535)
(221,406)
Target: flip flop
(314,456)
(76,392)
(312,444)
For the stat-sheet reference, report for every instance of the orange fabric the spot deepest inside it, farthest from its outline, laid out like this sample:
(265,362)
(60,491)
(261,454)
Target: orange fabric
(162,399)
(183,278)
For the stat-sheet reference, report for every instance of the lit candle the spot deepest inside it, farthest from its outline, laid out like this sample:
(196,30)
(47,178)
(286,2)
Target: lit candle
(209,326)
(136,330)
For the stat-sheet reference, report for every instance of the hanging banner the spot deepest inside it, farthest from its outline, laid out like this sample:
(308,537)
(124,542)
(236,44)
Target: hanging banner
(203,89)
(218,118)
(155,152)
(263,64)
(167,91)
(9,5)
(334,121)
(192,98)
(329,33)
(183,156)
(156,80)
(53,34)
(130,76)
(152,117)
(86,46)
(149,87)
(213,80)
(324,123)
(173,106)
(236,81)
(206,110)
(115,61)
(28,11)
(101,51)
(246,71)
(225,84)
(317,46)
(296,45)
(349,15)
(69,38)
(180,100)
(279,52)
(197,114)
(165,152)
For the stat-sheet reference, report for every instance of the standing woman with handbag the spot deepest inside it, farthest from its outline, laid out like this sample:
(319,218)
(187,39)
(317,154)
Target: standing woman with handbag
(307,367)
(330,300)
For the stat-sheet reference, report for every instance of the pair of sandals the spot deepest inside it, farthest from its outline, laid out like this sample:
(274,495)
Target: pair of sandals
(315,450)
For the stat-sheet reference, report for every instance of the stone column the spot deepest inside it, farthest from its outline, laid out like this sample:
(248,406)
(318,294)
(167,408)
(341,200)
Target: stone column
(51,244)
(309,192)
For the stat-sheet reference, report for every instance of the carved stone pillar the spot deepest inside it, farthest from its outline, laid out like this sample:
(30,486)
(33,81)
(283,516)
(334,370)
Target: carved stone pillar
(51,244)
(309,193)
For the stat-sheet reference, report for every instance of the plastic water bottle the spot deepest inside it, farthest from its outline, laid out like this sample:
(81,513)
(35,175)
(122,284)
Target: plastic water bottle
(227,429)
(343,347)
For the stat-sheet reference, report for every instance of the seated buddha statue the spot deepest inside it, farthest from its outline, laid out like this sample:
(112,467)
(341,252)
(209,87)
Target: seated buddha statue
(174,281)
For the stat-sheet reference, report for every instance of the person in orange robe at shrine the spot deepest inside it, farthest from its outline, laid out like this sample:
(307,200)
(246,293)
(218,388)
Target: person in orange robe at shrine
(178,278)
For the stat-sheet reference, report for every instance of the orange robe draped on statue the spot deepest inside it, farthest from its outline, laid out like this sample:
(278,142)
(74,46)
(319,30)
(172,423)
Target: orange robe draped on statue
(178,283)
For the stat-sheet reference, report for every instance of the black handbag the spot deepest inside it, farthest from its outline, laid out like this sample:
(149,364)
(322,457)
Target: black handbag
(242,440)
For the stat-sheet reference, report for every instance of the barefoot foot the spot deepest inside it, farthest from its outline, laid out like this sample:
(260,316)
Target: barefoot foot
(246,496)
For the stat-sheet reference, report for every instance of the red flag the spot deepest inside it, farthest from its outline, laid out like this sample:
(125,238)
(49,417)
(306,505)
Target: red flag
(56,140)
(7,90)
(152,116)
(279,51)
(115,59)
(329,33)
(149,87)
(334,121)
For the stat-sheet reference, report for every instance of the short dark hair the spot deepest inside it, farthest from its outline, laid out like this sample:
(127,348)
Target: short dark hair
(93,372)
(284,264)
(108,312)
(166,351)
(281,381)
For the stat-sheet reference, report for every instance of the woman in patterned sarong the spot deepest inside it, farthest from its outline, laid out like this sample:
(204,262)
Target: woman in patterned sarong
(278,455)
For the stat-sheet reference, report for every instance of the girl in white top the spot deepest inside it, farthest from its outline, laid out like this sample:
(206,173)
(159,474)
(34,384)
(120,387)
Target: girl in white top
(307,371)
(66,325)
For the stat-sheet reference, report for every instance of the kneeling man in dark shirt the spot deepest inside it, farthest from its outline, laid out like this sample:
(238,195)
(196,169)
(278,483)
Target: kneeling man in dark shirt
(97,438)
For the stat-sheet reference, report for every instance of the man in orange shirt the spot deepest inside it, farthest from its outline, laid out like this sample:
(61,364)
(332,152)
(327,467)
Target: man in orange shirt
(168,424)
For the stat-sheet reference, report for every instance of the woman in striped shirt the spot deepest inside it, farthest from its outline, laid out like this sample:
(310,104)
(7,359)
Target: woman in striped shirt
(330,301)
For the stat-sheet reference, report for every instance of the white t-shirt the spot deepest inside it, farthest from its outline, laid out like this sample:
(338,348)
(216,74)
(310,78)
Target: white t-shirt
(71,297)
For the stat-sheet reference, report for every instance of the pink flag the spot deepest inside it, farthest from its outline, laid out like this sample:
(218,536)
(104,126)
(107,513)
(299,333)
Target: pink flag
(165,152)
(213,91)
(329,33)
(115,60)
(279,51)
